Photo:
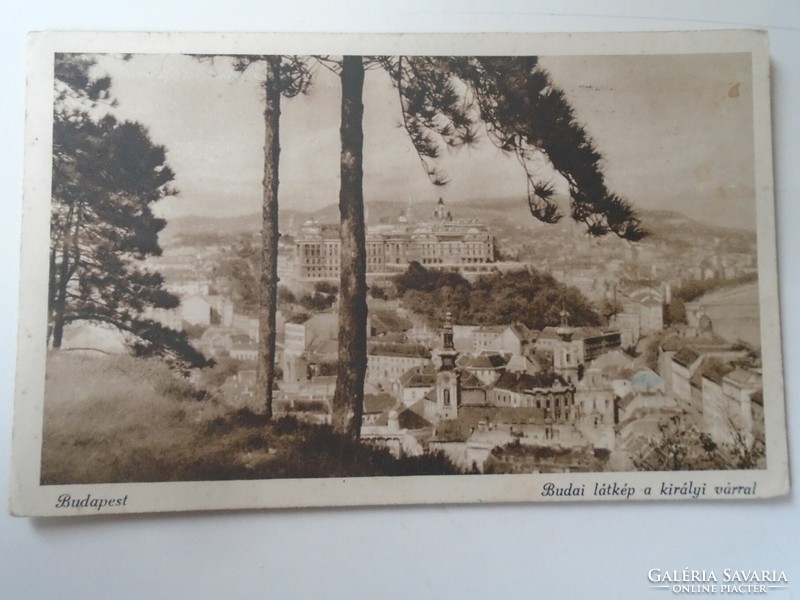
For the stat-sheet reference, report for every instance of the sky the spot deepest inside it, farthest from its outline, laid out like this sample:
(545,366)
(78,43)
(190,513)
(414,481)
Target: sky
(675,132)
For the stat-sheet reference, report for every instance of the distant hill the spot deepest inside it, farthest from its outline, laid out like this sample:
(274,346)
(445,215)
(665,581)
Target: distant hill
(507,217)
(196,225)
(501,210)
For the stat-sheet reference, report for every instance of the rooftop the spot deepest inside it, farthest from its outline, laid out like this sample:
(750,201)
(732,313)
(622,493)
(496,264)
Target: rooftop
(714,370)
(407,419)
(410,350)
(470,419)
(647,380)
(519,382)
(491,329)
(578,333)
(686,356)
(484,360)
(386,321)
(378,403)
(614,358)
(744,378)
(419,377)
(470,382)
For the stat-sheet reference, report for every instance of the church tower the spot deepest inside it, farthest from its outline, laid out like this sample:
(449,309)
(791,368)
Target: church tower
(448,389)
(440,213)
(565,353)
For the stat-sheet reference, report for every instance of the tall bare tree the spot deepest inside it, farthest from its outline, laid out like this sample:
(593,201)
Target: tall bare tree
(285,76)
(348,399)
(268,285)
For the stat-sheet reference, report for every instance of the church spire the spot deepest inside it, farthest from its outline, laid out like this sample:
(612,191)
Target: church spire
(564,331)
(564,314)
(447,332)
(448,354)
(440,212)
(448,387)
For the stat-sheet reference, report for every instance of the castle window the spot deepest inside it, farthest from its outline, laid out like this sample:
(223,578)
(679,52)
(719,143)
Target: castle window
(446,396)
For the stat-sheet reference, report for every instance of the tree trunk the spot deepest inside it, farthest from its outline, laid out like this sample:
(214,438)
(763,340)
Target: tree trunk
(61,295)
(268,289)
(59,277)
(348,399)
(51,296)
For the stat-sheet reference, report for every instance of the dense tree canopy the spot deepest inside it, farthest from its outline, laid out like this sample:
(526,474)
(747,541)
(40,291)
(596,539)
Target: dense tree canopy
(529,297)
(106,176)
(238,271)
(680,446)
(239,266)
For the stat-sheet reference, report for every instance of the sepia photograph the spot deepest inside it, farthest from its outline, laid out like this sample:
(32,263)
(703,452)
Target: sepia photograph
(432,270)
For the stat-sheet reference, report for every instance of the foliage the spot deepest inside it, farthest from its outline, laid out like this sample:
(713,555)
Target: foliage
(674,311)
(326,287)
(106,176)
(680,446)
(151,339)
(316,301)
(691,290)
(516,457)
(378,293)
(523,114)
(324,368)
(294,71)
(533,298)
(652,348)
(286,296)
(193,330)
(609,308)
(239,265)
(214,376)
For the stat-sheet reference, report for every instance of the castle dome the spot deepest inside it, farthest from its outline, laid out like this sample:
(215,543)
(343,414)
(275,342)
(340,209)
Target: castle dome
(311,227)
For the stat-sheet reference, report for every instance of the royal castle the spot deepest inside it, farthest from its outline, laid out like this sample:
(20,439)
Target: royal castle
(443,242)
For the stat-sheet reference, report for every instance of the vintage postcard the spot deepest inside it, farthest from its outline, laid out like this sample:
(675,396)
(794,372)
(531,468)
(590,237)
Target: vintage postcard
(272,270)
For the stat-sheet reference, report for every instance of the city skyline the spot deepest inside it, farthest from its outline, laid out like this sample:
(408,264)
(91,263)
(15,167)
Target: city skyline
(681,108)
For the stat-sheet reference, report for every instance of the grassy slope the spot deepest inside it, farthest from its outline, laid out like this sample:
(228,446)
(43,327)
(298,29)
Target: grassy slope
(120,419)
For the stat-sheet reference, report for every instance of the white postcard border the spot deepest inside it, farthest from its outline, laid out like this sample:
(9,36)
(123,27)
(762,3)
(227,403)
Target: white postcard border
(28,497)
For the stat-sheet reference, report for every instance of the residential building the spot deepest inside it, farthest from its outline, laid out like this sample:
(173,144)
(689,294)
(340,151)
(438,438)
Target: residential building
(487,367)
(307,343)
(386,363)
